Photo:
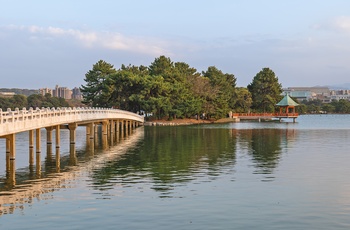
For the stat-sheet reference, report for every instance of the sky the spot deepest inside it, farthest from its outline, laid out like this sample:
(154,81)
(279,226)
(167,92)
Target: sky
(47,43)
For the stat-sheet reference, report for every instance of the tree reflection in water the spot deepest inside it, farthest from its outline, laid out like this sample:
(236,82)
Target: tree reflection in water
(170,156)
(265,147)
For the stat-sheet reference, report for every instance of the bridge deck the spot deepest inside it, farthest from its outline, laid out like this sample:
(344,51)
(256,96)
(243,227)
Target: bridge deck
(23,120)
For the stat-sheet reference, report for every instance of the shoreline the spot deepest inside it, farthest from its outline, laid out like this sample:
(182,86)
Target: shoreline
(178,122)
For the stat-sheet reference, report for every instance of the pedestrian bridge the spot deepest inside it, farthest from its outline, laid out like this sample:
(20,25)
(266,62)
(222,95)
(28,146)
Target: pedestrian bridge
(111,121)
(16,121)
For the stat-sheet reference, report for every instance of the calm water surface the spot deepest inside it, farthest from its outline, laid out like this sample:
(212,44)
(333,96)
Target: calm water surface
(244,175)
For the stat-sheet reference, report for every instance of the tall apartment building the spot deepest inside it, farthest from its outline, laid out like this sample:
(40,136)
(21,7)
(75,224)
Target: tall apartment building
(63,92)
(44,91)
(76,94)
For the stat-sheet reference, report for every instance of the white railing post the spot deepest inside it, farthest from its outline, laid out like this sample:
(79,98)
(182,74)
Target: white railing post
(24,110)
(31,113)
(9,113)
(16,115)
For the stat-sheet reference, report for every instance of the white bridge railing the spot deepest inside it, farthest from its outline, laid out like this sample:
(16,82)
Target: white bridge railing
(14,121)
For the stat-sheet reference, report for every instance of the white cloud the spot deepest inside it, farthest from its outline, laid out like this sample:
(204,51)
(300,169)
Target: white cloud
(342,23)
(105,40)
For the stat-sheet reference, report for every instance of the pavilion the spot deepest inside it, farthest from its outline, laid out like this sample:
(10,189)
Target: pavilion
(287,108)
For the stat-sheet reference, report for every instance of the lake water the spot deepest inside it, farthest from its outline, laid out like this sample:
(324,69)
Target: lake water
(245,175)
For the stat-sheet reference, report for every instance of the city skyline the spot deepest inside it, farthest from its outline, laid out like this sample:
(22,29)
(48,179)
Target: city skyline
(304,43)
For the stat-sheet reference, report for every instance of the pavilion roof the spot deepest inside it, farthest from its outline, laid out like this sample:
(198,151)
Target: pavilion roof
(287,101)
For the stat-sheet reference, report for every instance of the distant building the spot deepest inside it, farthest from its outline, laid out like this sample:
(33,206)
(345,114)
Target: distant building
(340,95)
(62,92)
(7,94)
(76,94)
(308,93)
(44,91)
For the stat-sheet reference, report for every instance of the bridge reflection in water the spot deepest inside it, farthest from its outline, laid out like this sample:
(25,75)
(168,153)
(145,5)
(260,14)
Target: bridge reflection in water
(108,124)
(30,185)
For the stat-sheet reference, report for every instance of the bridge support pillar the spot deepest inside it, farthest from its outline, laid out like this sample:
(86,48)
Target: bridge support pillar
(130,126)
(122,127)
(90,137)
(58,156)
(117,126)
(91,130)
(72,138)
(72,133)
(10,158)
(49,141)
(95,130)
(31,147)
(38,151)
(105,134)
(112,127)
(49,135)
(8,144)
(125,131)
(112,132)
(127,127)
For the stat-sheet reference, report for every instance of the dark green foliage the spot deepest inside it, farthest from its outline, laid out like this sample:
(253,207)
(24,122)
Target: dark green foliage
(224,85)
(5,103)
(98,87)
(168,89)
(243,100)
(34,101)
(164,90)
(47,101)
(265,90)
(317,106)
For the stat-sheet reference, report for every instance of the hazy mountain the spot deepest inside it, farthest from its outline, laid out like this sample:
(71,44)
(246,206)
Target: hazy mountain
(340,86)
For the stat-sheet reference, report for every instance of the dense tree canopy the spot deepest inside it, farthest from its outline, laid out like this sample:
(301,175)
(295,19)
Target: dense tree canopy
(34,101)
(266,91)
(164,89)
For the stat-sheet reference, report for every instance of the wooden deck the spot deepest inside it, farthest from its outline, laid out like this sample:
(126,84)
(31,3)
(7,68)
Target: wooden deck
(265,116)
